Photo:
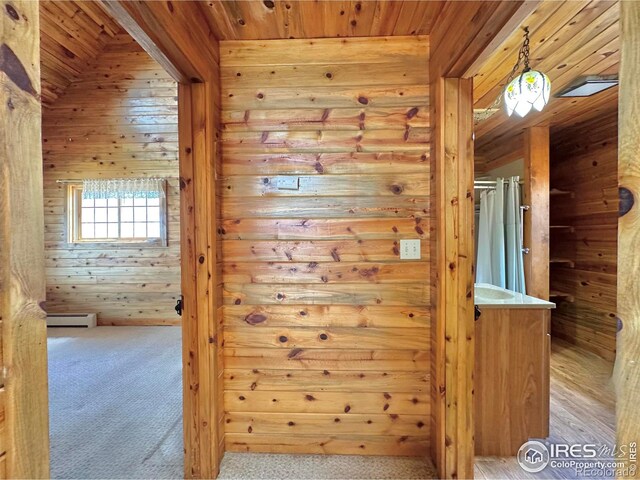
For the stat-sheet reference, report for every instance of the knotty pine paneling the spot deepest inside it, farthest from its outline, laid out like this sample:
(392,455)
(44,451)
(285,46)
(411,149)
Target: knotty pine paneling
(584,257)
(326,330)
(119,118)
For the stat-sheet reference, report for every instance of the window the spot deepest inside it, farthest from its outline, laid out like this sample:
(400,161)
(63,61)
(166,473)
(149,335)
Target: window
(116,220)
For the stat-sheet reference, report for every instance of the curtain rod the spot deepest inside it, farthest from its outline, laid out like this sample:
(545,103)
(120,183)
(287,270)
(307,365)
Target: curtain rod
(79,180)
(491,182)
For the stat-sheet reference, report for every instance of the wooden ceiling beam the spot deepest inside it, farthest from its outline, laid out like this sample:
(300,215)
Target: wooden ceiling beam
(511,26)
(175,34)
(467,31)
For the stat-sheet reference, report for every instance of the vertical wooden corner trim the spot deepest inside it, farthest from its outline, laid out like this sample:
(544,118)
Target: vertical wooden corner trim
(24,423)
(536,220)
(199,282)
(628,347)
(454,320)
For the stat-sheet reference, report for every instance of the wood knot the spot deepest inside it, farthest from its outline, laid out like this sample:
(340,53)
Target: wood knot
(396,189)
(626,201)
(347,409)
(295,352)
(291,424)
(363,100)
(260,96)
(11,11)
(201,259)
(323,336)
(329,75)
(170,6)
(412,113)
(255,318)
(269,4)
(11,65)
(310,398)
(242,22)
(283,339)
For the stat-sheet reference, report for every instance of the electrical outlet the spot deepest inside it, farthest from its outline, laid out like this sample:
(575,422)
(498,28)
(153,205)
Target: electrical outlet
(409,249)
(288,183)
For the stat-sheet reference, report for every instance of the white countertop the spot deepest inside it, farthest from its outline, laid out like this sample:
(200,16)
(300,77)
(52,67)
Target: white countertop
(490,296)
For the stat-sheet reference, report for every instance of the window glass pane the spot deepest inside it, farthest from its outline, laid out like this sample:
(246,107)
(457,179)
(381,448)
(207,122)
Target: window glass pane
(87,230)
(126,230)
(113,230)
(101,230)
(101,202)
(139,202)
(153,214)
(126,202)
(100,215)
(126,214)
(113,215)
(140,214)
(112,202)
(153,230)
(87,215)
(87,202)
(153,201)
(140,230)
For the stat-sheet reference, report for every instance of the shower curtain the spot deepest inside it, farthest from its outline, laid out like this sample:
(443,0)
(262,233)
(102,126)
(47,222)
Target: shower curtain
(499,258)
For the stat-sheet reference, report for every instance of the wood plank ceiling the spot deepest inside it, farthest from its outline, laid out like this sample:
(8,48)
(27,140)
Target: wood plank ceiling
(72,35)
(568,40)
(280,19)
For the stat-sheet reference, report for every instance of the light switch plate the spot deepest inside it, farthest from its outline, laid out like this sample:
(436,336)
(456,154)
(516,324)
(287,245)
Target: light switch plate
(288,183)
(410,249)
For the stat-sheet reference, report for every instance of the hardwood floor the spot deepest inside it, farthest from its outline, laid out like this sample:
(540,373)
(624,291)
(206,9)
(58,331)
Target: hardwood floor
(582,410)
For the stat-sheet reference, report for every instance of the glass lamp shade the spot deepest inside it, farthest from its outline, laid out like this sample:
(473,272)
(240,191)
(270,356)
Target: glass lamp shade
(531,89)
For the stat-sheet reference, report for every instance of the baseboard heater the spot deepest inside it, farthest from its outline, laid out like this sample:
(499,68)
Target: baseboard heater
(84,320)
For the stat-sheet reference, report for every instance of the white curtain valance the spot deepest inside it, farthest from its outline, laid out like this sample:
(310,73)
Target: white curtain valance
(123,188)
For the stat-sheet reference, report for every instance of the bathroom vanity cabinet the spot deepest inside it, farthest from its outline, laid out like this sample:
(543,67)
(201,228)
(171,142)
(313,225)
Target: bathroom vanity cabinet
(511,391)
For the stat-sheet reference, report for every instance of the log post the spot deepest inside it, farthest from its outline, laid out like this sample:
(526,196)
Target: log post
(628,342)
(24,424)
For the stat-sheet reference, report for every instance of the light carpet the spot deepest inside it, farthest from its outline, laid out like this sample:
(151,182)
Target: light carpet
(277,466)
(115,398)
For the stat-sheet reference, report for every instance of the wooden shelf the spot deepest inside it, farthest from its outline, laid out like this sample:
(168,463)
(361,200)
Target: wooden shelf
(562,227)
(571,263)
(556,191)
(565,296)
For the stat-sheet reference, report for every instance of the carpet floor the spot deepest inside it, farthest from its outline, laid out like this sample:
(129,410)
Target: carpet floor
(115,402)
(115,397)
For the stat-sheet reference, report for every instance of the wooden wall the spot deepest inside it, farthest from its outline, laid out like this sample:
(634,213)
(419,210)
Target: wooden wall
(326,330)
(118,119)
(584,234)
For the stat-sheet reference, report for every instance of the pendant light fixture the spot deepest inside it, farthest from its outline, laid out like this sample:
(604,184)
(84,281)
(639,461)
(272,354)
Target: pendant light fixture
(530,89)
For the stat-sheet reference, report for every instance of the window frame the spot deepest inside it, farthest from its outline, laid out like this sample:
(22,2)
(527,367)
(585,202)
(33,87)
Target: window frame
(74,222)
